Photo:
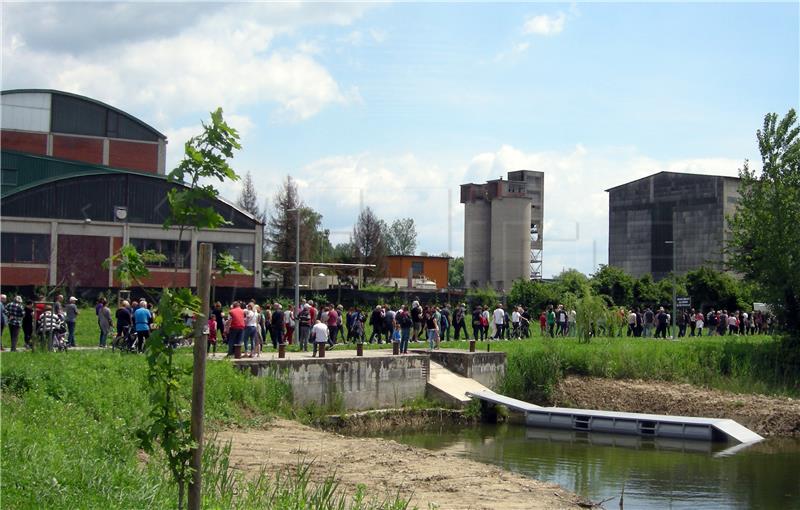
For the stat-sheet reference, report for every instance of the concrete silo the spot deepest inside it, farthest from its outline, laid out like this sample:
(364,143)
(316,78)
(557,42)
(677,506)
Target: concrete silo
(503,230)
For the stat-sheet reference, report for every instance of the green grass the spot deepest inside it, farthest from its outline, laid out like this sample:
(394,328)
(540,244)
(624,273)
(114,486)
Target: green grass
(68,438)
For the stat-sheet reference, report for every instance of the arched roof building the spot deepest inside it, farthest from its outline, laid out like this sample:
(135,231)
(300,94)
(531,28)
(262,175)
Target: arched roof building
(63,216)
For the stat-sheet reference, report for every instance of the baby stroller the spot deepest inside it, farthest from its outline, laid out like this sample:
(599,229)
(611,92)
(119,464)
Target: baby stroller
(52,330)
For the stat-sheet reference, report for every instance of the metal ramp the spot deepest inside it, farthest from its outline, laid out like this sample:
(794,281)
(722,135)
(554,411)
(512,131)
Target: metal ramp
(453,386)
(646,425)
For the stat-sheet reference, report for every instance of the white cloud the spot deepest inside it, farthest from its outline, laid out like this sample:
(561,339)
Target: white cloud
(226,57)
(544,24)
(515,51)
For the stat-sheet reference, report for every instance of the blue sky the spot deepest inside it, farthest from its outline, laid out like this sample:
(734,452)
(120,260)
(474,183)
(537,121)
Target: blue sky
(395,105)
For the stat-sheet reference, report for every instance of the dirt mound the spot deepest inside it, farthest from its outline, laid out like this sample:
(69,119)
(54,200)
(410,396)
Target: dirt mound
(768,416)
(431,479)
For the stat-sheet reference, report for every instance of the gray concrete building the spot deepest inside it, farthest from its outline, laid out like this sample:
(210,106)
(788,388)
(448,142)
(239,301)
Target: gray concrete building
(503,229)
(691,210)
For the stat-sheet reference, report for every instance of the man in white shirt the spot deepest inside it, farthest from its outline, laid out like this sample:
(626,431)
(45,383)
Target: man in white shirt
(320,335)
(515,315)
(499,320)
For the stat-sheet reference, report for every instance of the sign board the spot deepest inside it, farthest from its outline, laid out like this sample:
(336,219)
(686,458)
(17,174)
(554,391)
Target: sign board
(683,302)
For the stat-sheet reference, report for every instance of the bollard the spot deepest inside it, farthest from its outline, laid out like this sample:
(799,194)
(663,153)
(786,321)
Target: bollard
(359,349)
(237,351)
(322,350)
(395,348)
(472,346)
(488,347)
(281,350)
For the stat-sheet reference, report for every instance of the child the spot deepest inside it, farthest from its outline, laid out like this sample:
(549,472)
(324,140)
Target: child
(212,333)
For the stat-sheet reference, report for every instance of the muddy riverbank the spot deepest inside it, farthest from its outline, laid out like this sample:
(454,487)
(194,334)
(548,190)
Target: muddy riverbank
(387,468)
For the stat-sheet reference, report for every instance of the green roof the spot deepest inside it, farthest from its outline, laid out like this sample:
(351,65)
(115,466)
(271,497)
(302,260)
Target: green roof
(22,171)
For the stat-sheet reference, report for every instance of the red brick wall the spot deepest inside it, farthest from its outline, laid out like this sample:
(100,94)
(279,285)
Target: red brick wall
(33,143)
(80,260)
(89,150)
(133,156)
(18,276)
(234,280)
(166,278)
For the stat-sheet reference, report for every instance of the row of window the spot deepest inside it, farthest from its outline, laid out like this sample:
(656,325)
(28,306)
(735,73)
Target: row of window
(35,249)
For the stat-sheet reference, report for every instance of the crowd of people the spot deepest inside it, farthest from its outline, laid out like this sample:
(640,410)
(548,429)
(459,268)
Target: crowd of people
(249,326)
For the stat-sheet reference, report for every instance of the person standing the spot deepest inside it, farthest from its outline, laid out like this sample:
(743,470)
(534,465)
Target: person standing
(211,347)
(516,332)
(105,323)
(250,330)
(416,317)
(71,318)
(142,318)
(277,325)
(304,323)
(403,319)
(58,305)
(431,326)
(460,322)
(333,324)
(27,324)
(220,319)
(124,320)
(499,318)
(16,313)
(661,323)
(289,325)
(3,318)
(320,334)
(551,321)
(236,324)
(444,323)
(699,322)
(389,322)
(376,321)
(649,318)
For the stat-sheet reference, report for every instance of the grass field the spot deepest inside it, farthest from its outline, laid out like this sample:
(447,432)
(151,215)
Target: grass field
(68,438)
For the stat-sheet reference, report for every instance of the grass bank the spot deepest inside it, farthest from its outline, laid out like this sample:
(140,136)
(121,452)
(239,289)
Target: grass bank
(736,364)
(68,438)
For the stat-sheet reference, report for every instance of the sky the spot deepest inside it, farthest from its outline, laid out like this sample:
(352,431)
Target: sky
(394,105)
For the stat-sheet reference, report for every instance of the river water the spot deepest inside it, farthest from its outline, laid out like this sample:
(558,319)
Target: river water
(661,474)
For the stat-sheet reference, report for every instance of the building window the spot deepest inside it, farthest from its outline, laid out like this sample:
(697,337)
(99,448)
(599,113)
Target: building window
(417,268)
(243,253)
(167,248)
(30,248)
(9,177)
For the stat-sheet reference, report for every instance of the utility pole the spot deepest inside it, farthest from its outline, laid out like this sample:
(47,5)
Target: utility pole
(674,286)
(199,373)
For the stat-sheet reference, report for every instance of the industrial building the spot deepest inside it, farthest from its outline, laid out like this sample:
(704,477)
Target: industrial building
(79,180)
(503,230)
(651,216)
(418,271)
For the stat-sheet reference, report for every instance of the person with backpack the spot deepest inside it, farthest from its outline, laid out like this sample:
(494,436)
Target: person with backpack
(376,321)
(416,317)
(477,327)
(304,323)
(388,322)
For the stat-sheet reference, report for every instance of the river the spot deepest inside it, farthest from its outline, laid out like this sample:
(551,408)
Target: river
(656,474)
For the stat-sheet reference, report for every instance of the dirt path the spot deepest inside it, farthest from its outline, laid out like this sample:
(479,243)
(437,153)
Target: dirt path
(386,467)
(764,415)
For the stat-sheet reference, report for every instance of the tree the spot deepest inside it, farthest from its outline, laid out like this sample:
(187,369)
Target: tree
(205,159)
(615,283)
(368,242)
(455,276)
(645,291)
(572,281)
(401,237)
(248,198)
(281,229)
(710,288)
(534,294)
(765,238)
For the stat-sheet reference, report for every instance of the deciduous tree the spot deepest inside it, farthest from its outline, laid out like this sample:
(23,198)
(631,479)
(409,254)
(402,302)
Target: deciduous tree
(765,241)
(369,243)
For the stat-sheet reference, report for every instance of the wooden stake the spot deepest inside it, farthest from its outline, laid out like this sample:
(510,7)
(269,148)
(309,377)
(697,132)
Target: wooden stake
(199,372)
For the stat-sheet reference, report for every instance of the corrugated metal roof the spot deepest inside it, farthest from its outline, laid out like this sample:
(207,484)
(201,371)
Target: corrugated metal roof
(88,100)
